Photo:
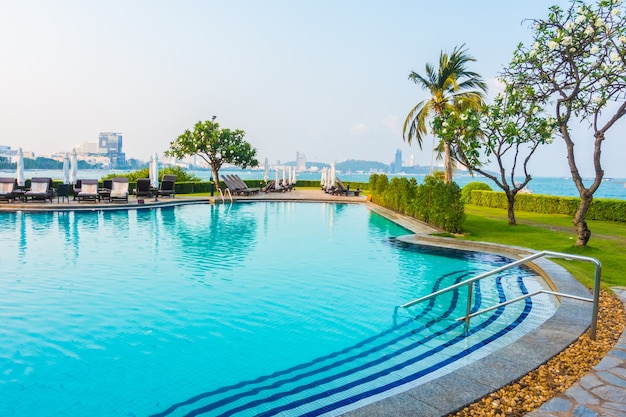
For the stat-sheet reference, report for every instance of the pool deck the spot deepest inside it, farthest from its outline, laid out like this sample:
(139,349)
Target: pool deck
(602,392)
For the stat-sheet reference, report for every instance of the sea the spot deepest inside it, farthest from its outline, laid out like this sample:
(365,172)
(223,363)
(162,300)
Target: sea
(614,188)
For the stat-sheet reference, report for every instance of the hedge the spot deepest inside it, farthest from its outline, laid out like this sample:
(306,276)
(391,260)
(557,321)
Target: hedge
(605,209)
(433,202)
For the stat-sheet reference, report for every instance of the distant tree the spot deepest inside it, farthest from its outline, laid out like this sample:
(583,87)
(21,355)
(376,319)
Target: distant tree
(452,87)
(216,146)
(578,60)
(180,173)
(510,130)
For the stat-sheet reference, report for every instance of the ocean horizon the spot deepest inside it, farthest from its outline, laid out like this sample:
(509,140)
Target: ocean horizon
(614,188)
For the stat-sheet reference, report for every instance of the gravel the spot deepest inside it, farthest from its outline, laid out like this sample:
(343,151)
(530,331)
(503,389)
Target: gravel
(560,372)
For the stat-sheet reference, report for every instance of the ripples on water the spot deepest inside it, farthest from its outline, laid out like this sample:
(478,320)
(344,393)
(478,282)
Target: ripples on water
(113,312)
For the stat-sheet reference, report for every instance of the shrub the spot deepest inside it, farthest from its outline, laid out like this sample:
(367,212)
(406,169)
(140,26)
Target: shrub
(433,201)
(466,192)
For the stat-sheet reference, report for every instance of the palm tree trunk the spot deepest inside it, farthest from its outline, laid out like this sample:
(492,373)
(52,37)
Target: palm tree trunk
(448,163)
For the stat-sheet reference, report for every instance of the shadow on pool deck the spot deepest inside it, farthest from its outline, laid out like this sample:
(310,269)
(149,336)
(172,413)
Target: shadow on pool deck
(450,392)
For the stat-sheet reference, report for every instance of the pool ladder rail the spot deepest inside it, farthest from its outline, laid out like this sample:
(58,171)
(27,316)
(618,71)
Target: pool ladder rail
(469,282)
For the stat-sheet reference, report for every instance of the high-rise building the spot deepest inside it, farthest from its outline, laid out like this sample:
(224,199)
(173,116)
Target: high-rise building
(396,165)
(300,161)
(110,144)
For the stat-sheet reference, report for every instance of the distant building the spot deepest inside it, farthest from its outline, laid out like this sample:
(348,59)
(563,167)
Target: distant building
(110,144)
(396,166)
(6,153)
(300,161)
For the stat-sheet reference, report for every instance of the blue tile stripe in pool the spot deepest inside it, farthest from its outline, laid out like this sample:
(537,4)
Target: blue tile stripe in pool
(325,402)
(389,332)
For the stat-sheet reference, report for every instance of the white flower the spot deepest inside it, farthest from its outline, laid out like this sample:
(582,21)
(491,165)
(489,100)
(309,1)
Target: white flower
(596,100)
(594,49)
(570,25)
(616,12)
(572,49)
(589,30)
(615,57)
(599,22)
(567,40)
(603,82)
(622,39)
(580,18)
(444,124)
(444,131)
(463,116)
(552,45)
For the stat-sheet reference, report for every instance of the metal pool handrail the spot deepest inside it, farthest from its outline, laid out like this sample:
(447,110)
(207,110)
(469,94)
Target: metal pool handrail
(469,282)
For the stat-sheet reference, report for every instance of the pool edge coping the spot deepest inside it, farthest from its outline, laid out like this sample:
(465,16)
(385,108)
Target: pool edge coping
(455,390)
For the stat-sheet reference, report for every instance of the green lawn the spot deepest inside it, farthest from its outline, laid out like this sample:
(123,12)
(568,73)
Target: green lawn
(554,233)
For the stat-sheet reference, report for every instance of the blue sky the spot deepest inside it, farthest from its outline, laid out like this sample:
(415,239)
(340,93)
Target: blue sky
(325,78)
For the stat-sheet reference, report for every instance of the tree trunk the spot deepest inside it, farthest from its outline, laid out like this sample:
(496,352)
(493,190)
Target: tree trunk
(583,232)
(448,163)
(511,209)
(216,177)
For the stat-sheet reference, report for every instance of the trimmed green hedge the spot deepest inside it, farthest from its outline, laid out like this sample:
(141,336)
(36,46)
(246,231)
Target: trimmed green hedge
(433,202)
(601,208)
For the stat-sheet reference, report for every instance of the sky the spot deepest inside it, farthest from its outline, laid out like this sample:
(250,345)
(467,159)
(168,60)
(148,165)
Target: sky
(325,78)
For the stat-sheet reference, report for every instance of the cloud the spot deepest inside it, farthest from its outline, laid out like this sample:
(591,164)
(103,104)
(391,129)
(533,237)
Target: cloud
(359,129)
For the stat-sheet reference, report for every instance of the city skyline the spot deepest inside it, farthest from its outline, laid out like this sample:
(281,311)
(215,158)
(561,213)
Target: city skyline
(326,79)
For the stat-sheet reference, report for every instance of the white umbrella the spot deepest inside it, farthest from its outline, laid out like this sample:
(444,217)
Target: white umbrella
(73,167)
(284,177)
(293,175)
(331,182)
(265,171)
(21,179)
(323,179)
(66,169)
(154,171)
(277,182)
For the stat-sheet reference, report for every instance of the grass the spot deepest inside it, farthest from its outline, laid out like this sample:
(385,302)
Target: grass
(555,233)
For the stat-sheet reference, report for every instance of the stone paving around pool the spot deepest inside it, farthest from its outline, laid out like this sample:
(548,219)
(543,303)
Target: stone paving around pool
(602,392)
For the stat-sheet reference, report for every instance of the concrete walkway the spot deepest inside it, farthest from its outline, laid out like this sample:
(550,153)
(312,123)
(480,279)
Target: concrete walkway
(602,392)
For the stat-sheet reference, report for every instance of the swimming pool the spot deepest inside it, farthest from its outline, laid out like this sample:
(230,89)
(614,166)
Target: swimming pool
(251,309)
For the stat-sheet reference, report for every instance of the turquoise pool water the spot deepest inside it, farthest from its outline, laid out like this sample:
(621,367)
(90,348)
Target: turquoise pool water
(276,308)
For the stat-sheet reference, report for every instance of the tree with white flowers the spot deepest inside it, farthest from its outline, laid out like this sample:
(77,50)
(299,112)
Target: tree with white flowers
(578,62)
(507,132)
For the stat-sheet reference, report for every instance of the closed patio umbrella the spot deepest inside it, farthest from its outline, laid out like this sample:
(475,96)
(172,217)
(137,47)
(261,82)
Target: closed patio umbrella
(154,171)
(21,179)
(66,169)
(284,177)
(333,173)
(73,167)
(266,168)
(276,182)
(323,179)
(293,175)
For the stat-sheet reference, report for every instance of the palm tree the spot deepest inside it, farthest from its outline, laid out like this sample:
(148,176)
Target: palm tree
(452,86)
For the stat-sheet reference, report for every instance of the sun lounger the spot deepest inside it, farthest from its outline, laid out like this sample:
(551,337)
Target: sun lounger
(119,190)
(167,186)
(143,188)
(40,189)
(7,189)
(341,189)
(88,191)
(238,187)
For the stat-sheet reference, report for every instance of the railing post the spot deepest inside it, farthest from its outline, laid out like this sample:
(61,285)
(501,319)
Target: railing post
(596,300)
(468,309)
